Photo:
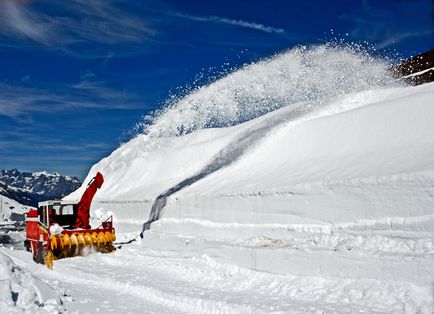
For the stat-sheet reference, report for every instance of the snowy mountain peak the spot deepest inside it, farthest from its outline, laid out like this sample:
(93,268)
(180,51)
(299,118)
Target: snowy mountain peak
(29,188)
(45,173)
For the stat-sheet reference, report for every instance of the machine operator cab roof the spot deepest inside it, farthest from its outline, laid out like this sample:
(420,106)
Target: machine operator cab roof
(61,212)
(56,202)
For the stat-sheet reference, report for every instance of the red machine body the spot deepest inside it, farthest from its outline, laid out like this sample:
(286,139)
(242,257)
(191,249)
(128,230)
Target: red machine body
(82,220)
(60,228)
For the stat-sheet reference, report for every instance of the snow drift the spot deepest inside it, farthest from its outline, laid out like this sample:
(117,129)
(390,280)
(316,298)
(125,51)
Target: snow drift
(313,164)
(11,209)
(21,292)
(312,136)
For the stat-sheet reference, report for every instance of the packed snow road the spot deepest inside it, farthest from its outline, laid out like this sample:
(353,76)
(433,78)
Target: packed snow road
(204,275)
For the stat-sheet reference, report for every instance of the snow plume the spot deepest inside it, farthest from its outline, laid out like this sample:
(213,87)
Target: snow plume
(315,75)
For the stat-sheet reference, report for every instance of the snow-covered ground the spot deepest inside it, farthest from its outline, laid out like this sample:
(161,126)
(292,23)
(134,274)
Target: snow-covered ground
(10,207)
(321,200)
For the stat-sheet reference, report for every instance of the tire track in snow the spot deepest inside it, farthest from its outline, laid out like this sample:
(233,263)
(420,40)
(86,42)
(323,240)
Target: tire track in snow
(206,285)
(178,301)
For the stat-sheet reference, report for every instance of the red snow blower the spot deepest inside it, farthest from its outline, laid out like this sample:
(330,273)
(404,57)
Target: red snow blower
(59,229)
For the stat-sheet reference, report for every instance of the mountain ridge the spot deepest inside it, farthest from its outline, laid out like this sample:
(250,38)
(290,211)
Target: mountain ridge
(30,188)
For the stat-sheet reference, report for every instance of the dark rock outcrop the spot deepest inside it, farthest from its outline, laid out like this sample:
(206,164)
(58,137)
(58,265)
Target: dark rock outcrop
(416,70)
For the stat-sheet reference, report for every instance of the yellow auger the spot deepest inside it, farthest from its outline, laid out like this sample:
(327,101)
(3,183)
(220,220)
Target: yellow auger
(69,245)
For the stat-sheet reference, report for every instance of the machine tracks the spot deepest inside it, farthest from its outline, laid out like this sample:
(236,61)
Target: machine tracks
(201,283)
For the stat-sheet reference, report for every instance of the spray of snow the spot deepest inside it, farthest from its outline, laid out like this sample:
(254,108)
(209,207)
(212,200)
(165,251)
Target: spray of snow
(56,229)
(317,74)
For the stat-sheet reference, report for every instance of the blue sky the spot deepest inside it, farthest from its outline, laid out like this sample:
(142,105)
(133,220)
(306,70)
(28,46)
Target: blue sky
(76,75)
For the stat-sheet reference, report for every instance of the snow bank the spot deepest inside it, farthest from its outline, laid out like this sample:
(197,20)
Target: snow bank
(357,159)
(320,174)
(21,292)
(371,163)
(11,209)
(345,147)
(300,81)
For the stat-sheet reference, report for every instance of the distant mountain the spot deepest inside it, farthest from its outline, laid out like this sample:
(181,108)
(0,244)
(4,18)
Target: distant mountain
(17,195)
(30,188)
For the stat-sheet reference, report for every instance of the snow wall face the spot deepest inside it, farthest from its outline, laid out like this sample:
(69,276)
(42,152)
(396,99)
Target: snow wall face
(300,139)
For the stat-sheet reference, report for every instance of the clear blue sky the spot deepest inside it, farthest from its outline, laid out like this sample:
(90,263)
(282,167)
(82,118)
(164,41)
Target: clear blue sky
(76,75)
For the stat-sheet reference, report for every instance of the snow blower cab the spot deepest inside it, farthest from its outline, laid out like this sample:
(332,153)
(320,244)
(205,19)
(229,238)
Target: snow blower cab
(59,229)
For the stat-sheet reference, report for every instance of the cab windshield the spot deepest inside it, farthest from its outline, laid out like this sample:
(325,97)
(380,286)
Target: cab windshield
(63,215)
